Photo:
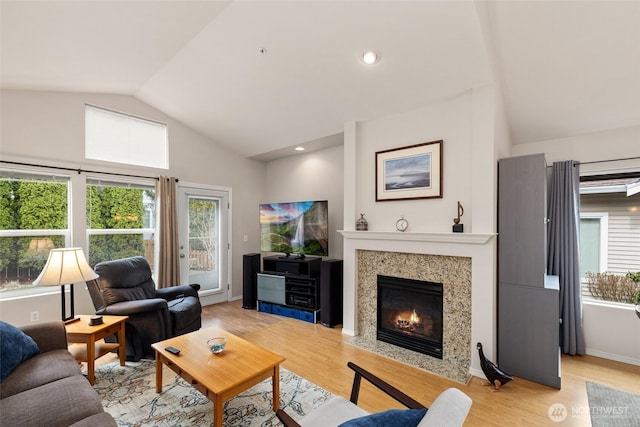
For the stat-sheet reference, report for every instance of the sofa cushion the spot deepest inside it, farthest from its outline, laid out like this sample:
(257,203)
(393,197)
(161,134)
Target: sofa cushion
(390,418)
(98,420)
(450,409)
(15,348)
(332,413)
(39,370)
(56,404)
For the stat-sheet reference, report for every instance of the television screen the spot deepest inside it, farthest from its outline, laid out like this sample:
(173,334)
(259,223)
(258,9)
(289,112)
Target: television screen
(295,227)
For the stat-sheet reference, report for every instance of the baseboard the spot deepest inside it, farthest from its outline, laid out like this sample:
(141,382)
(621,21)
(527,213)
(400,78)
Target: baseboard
(477,373)
(349,332)
(614,357)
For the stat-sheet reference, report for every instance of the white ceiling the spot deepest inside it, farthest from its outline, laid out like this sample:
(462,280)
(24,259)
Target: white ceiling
(565,67)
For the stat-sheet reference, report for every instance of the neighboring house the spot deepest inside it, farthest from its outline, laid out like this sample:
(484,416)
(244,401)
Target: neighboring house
(610,225)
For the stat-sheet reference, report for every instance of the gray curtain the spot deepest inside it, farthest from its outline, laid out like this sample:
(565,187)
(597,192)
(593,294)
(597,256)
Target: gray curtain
(168,252)
(563,251)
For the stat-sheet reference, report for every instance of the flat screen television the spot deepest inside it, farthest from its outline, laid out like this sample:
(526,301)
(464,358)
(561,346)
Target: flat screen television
(295,227)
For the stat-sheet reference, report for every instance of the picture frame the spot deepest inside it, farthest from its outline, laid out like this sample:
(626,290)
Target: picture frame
(411,172)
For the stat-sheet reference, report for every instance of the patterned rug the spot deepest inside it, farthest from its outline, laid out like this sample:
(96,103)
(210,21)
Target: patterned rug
(128,393)
(609,407)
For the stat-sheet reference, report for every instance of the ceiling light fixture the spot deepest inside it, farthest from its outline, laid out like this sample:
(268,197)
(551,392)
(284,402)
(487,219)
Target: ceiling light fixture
(370,57)
(299,148)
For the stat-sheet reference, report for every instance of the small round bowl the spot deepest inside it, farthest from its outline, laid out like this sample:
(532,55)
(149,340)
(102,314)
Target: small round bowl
(217,344)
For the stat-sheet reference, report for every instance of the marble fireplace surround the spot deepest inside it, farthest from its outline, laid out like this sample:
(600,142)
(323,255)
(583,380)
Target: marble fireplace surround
(462,262)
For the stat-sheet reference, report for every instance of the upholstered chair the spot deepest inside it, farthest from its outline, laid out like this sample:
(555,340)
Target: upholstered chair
(125,288)
(450,408)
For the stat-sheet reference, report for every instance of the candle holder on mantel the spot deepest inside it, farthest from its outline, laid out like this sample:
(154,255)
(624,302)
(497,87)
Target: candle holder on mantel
(362,224)
(457,227)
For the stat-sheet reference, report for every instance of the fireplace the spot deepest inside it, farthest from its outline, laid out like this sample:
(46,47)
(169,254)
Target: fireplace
(409,314)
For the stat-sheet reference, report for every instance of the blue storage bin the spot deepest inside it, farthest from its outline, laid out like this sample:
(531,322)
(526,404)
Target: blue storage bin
(291,312)
(277,309)
(307,316)
(264,307)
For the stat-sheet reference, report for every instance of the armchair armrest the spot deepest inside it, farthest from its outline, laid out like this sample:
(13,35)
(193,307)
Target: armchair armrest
(382,385)
(48,335)
(128,308)
(178,291)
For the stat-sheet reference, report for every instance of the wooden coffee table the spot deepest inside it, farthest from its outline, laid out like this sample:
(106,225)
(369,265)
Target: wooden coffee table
(219,376)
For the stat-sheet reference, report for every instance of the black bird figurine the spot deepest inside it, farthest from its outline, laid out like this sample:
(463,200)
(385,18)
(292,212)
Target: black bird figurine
(495,376)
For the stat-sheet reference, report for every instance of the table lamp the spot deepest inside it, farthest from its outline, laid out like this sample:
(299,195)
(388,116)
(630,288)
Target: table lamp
(65,266)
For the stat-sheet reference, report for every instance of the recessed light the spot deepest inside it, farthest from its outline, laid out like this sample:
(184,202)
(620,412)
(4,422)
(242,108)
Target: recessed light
(370,57)
(299,148)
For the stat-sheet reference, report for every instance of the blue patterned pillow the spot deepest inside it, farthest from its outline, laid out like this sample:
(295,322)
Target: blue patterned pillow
(15,348)
(390,418)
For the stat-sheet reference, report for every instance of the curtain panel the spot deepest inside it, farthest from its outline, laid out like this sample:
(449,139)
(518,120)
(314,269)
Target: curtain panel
(169,251)
(563,257)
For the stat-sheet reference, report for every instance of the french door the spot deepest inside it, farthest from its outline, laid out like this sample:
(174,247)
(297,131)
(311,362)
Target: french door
(204,241)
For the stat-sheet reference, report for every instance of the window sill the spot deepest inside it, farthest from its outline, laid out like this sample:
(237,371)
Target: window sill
(612,304)
(18,294)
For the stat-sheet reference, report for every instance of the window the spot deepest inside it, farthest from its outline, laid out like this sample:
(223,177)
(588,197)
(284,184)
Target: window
(593,242)
(120,220)
(610,228)
(121,138)
(34,218)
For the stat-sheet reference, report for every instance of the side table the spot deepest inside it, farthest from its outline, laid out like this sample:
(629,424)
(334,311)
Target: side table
(85,345)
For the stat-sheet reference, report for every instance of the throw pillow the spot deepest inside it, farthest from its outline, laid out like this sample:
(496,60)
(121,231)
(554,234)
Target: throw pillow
(390,418)
(15,348)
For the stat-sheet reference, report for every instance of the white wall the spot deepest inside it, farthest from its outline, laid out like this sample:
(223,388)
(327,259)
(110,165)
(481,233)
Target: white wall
(314,176)
(466,124)
(593,147)
(48,128)
(607,330)
(449,121)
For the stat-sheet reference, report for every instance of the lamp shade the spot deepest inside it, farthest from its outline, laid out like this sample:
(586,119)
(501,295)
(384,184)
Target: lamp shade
(65,266)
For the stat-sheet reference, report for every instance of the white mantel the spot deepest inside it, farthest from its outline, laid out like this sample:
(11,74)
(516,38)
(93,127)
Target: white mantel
(479,247)
(461,238)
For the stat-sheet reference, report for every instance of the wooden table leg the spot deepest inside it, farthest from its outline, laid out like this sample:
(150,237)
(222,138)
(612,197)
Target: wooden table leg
(218,406)
(276,387)
(123,344)
(91,359)
(158,372)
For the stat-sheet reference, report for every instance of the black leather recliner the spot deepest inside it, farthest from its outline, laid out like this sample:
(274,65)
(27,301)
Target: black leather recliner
(125,288)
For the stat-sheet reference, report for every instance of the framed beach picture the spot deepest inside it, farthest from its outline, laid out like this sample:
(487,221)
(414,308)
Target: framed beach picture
(412,172)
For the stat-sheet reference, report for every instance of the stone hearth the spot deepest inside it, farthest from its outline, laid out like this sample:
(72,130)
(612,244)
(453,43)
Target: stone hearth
(453,272)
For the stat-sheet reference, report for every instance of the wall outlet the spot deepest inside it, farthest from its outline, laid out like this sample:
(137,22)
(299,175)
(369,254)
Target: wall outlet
(35,316)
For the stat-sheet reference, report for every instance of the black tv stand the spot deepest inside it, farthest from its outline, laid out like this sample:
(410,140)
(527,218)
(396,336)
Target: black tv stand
(298,293)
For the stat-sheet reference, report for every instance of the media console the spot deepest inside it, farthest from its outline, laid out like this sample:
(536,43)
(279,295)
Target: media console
(290,286)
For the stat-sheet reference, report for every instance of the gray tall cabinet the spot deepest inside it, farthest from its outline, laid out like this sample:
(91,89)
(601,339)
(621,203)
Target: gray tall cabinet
(528,299)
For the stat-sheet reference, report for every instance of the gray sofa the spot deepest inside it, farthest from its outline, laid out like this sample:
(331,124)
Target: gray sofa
(49,389)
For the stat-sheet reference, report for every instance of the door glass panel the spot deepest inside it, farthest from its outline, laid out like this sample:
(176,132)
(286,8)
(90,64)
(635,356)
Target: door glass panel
(203,242)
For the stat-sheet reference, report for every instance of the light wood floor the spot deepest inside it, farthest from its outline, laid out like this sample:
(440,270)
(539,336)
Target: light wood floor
(320,354)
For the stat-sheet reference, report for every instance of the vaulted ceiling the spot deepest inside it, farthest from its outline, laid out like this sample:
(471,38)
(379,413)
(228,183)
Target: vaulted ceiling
(262,76)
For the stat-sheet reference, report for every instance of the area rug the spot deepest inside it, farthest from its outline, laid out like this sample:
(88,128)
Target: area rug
(609,407)
(128,393)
